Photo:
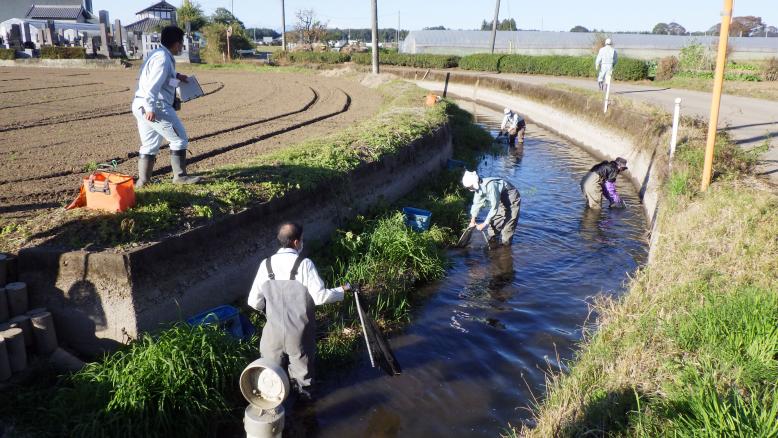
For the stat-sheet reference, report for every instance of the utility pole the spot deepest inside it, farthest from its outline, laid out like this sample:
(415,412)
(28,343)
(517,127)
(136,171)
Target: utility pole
(232,7)
(398,31)
(374,16)
(718,84)
(283,27)
(494,23)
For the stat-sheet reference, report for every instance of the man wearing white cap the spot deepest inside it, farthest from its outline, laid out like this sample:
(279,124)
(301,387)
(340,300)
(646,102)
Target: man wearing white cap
(514,125)
(605,62)
(504,203)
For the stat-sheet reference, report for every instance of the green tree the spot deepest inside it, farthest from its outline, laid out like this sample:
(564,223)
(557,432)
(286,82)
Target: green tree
(192,13)
(216,42)
(224,16)
(661,29)
(579,29)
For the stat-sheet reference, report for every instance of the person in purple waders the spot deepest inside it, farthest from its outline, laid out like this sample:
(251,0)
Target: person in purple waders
(601,180)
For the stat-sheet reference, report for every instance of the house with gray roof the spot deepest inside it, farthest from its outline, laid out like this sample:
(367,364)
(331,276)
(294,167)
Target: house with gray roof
(21,8)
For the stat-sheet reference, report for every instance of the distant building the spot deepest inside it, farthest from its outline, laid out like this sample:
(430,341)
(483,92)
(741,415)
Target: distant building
(641,46)
(104,17)
(162,11)
(75,11)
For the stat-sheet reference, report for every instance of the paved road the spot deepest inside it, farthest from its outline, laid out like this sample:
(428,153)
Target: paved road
(749,121)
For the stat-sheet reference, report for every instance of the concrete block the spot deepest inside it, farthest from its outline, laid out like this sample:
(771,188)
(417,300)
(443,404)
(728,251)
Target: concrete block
(4,313)
(45,333)
(5,365)
(17,353)
(25,323)
(17,298)
(3,269)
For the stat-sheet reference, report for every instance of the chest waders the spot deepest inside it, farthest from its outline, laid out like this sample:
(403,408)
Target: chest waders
(290,329)
(503,223)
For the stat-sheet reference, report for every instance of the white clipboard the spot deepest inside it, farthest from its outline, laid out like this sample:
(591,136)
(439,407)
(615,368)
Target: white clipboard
(190,90)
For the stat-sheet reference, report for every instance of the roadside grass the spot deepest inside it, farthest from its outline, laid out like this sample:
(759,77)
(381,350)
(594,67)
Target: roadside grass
(183,380)
(246,65)
(692,349)
(767,90)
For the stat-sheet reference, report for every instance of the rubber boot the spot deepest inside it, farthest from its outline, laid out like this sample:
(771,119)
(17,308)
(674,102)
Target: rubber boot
(145,169)
(178,163)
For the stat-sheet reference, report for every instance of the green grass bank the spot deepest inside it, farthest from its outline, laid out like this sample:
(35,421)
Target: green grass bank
(692,349)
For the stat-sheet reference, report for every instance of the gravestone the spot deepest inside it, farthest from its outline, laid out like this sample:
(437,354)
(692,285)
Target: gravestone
(15,40)
(26,32)
(118,34)
(41,37)
(105,50)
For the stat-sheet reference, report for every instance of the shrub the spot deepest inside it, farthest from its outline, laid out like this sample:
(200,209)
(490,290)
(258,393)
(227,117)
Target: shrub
(409,60)
(667,68)
(481,62)
(695,56)
(770,69)
(7,54)
(316,57)
(627,69)
(216,38)
(54,52)
(630,69)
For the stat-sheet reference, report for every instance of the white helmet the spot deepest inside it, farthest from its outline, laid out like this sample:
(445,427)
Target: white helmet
(608,41)
(470,180)
(506,111)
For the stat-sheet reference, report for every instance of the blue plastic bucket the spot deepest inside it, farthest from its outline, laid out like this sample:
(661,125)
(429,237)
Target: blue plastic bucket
(417,218)
(226,317)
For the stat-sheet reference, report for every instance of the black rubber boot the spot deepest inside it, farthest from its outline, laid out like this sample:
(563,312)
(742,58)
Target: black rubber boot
(178,163)
(145,169)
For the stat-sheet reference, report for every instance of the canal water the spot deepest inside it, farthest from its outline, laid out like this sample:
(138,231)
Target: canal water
(474,357)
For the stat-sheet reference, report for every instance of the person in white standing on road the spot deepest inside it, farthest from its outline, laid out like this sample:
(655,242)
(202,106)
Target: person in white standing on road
(607,58)
(154,107)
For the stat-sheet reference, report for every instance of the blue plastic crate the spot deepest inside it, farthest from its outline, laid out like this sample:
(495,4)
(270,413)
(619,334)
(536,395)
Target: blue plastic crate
(455,164)
(417,218)
(226,317)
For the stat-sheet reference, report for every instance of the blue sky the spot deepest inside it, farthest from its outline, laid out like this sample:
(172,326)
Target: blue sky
(614,15)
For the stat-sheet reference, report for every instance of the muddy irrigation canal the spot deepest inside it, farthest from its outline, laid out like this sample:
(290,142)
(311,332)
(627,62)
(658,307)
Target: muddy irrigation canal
(475,354)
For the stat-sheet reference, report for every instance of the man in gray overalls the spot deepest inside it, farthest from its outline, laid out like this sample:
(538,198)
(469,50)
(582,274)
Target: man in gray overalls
(287,287)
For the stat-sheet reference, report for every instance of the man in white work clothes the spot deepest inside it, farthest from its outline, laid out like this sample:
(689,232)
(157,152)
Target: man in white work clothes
(605,63)
(154,107)
(514,125)
(287,288)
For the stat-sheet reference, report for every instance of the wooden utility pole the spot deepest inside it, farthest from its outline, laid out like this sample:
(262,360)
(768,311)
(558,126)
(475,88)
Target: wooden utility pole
(718,84)
(374,16)
(283,27)
(494,23)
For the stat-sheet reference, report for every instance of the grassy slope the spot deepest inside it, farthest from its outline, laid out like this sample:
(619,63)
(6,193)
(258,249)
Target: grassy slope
(692,349)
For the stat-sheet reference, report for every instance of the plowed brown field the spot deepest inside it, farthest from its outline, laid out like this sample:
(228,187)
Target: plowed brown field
(56,123)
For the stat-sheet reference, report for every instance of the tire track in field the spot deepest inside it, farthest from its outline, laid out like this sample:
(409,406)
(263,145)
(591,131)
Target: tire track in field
(102,93)
(89,115)
(120,160)
(88,84)
(60,195)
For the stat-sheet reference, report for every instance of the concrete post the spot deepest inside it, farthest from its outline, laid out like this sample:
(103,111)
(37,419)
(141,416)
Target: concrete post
(45,333)
(607,92)
(676,123)
(17,354)
(4,314)
(118,34)
(11,268)
(17,298)
(3,271)
(23,322)
(5,366)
